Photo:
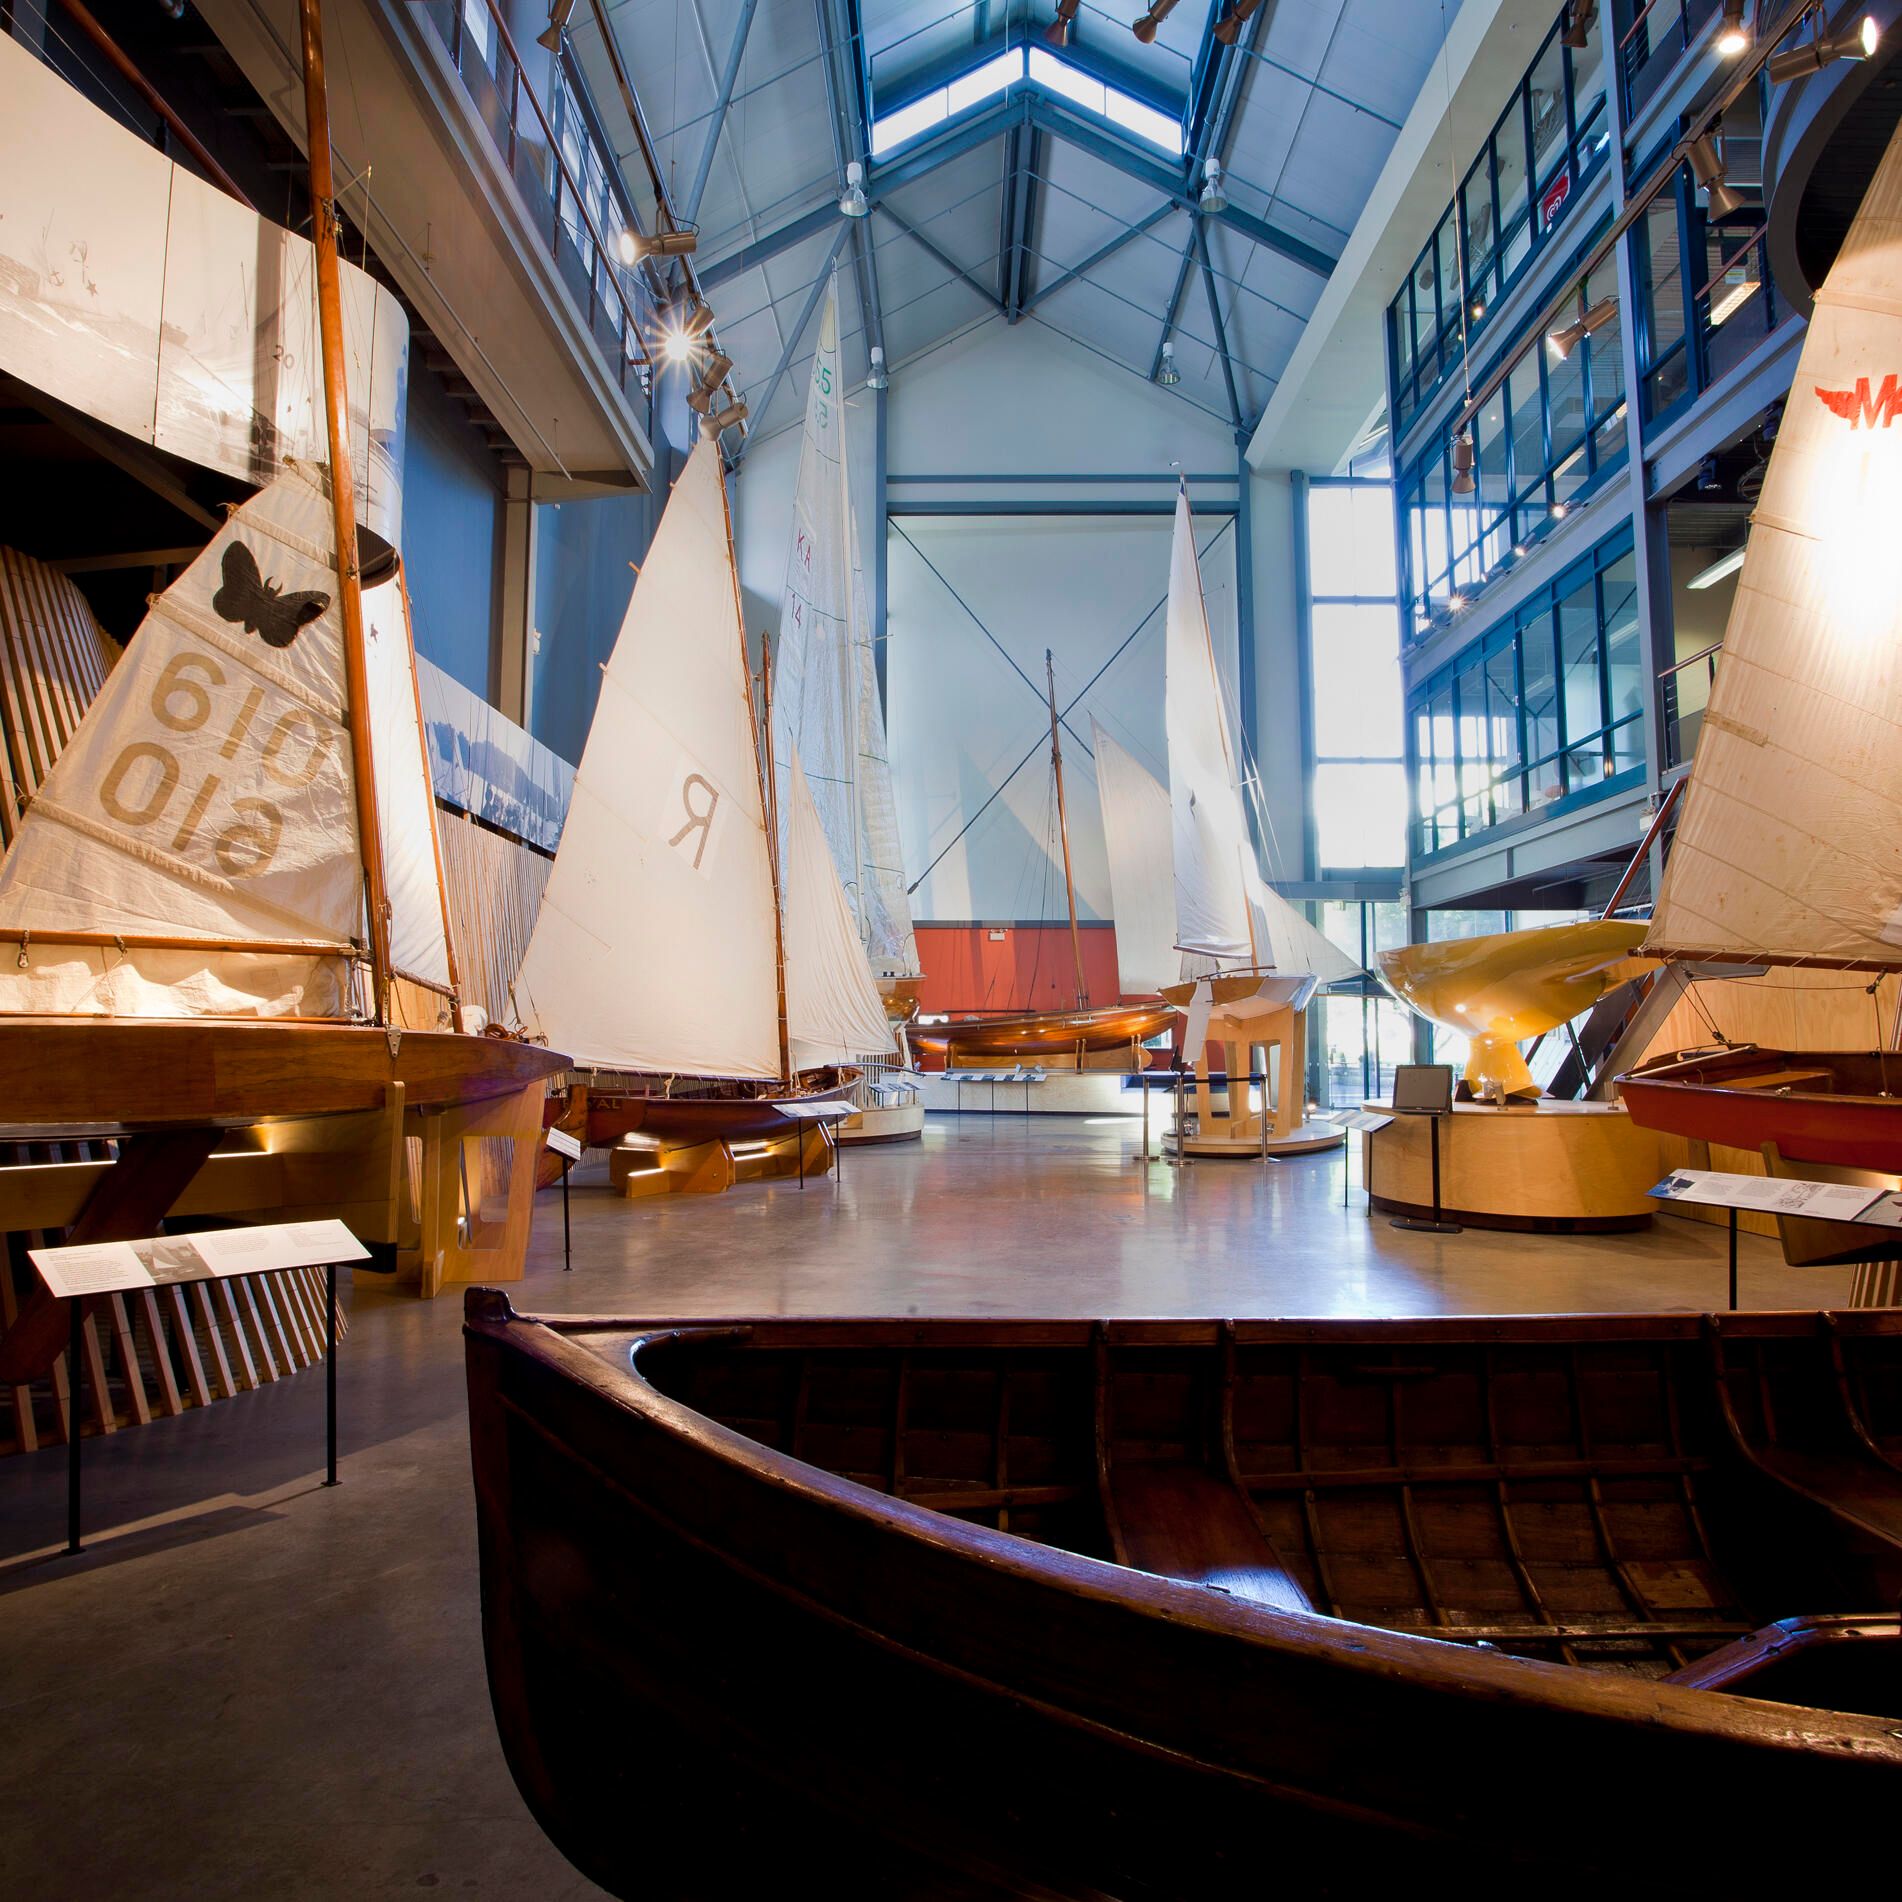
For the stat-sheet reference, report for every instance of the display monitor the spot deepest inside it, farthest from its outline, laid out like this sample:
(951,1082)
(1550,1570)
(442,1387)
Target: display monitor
(1423,1089)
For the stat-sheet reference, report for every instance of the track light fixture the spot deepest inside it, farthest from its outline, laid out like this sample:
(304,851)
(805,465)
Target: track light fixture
(877,377)
(1823,49)
(1567,338)
(1168,375)
(558,12)
(636,247)
(1580,17)
(715,371)
(1145,28)
(1708,168)
(1733,37)
(1214,198)
(1228,28)
(1463,483)
(852,201)
(1057,33)
(729,418)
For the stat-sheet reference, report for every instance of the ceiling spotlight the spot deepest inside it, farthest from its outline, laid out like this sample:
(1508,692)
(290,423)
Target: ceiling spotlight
(1454,603)
(1145,28)
(878,378)
(1708,168)
(1567,338)
(1824,50)
(1463,483)
(1214,198)
(1168,375)
(1228,28)
(715,371)
(1733,36)
(1580,17)
(1560,510)
(852,201)
(729,418)
(676,344)
(558,13)
(1057,33)
(636,247)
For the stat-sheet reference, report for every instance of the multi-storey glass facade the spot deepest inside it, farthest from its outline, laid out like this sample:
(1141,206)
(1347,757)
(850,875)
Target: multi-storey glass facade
(1551,137)
(1548,433)
(1545,706)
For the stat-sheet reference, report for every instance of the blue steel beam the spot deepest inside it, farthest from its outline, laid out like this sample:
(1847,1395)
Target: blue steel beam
(716,121)
(1100,254)
(791,346)
(940,256)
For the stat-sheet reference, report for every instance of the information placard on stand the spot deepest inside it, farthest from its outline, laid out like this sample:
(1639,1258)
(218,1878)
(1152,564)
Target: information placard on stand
(1425,1089)
(77,1273)
(568,1148)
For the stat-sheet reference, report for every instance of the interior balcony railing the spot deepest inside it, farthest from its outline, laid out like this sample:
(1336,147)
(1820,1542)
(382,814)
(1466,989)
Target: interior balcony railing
(566,213)
(1685,691)
(1659,35)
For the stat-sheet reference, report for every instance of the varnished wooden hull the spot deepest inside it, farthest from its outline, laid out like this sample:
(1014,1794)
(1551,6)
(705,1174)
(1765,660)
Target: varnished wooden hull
(799,1670)
(1833,1108)
(68,1076)
(1044,1033)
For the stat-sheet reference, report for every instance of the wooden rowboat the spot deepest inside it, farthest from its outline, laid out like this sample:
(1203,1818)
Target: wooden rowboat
(1054,1033)
(1151,1608)
(1830,1106)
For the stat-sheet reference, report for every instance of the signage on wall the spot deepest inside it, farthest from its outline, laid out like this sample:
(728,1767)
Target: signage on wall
(1554,197)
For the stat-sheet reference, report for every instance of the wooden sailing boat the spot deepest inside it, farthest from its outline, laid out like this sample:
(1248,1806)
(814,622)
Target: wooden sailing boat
(231,864)
(827,715)
(1113,1036)
(1070,1608)
(702,979)
(1790,848)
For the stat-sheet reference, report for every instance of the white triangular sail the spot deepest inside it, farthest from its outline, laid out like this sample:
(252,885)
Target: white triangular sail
(405,801)
(654,948)
(1790,846)
(1136,832)
(208,796)
(833,1012)
(1223,907)
(825,684)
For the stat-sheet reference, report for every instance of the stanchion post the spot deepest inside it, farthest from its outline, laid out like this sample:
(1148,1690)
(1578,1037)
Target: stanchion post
(330,1373)
(74,1430)
(1733,1261)
(567,1237)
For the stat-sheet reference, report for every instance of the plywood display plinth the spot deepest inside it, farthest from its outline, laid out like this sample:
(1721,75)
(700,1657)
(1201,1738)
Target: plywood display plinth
(1280,1036)
(890,1123)
(1554,1166)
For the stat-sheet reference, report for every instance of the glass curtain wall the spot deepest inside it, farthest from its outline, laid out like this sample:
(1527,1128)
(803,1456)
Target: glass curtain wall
(1359,786)
(1549,433)
(1546,705)
(1361,1034)
(1551,137)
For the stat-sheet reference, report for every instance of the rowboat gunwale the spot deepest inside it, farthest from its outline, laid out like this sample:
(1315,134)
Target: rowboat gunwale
(1427,1665)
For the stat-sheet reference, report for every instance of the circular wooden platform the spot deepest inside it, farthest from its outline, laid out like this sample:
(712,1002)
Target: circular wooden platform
(1309,1139)
(901,1123)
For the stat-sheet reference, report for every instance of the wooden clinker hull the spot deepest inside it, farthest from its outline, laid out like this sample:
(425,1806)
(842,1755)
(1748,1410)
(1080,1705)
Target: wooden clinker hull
(1823,1106)
(1044,1033)
(70,1076)
(841,1660)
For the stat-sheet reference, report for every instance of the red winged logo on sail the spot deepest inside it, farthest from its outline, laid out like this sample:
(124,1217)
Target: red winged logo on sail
(1858,406)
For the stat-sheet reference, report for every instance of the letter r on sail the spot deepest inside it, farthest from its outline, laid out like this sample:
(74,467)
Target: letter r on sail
(700,800)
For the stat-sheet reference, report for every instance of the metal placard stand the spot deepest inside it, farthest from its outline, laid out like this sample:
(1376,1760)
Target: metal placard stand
(78,1274)
(1425,1089)
(568,1148)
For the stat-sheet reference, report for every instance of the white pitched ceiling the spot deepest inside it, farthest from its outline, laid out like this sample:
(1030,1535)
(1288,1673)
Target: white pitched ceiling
(1022,206)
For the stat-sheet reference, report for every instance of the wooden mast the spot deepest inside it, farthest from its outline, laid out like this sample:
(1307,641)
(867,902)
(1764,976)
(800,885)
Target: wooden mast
(1063,830)
(762,719)
(343,502)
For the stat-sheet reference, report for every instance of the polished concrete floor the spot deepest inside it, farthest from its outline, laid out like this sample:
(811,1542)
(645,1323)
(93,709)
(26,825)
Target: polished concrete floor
(249,1685)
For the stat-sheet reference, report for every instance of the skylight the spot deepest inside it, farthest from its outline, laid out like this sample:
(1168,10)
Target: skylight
(1042,69)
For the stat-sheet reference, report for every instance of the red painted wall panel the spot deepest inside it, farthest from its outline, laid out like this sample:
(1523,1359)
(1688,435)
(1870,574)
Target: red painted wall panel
(1006,968)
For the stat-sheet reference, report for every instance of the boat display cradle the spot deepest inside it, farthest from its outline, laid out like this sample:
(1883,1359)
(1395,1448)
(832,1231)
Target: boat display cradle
(82,1275)
(1280,1126)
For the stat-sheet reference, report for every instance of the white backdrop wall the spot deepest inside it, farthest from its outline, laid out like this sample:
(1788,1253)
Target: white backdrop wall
(1020,400)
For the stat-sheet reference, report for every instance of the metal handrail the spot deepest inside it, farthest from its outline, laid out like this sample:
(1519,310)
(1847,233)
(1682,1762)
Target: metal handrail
(1678,666)
(633,342)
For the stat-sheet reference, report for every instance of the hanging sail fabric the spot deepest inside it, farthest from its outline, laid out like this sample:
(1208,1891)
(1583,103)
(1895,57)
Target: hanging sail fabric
(654,947)
(406,805)
(833,1012)
(1289,943)
(825,682)
(1790,847)
(194,849)
(1212,852)
(1136,831)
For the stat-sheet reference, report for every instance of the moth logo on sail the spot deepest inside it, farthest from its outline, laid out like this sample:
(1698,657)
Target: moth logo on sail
(1859,406)
(262,606)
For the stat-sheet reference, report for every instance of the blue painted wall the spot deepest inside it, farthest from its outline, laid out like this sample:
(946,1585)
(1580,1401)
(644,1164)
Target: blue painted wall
(452,508)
